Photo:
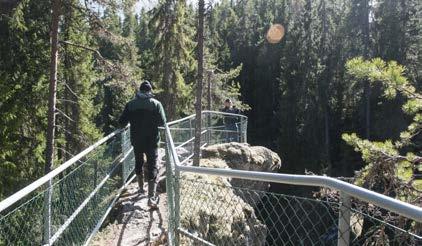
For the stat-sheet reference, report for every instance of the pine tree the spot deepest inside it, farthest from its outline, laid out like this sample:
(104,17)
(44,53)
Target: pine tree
(24,59)
(119,82)
(173,47)
(391,165)
(145,43)
(76,109)
(219,80)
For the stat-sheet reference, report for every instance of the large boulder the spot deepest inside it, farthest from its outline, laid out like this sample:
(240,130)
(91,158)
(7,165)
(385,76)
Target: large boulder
(220,209)
(242,156)
(211,210)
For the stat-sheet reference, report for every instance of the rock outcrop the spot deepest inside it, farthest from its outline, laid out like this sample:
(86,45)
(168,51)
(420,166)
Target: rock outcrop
(242,156)
(211,210)
(218,209)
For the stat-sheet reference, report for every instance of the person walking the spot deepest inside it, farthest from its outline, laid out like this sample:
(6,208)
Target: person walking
(230,122)
(145,114)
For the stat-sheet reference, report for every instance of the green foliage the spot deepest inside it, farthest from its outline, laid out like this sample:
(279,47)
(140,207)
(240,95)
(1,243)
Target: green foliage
(84,75)
(226,86)
(387,170)
(76,90)
(119,82)
(300,97)
(391,75)
(172,51)
(24,50)
(297,93)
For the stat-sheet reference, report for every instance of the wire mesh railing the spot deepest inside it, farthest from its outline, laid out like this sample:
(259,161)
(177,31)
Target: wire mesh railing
(218,213)
(69,204)
(217,128)
(222,214)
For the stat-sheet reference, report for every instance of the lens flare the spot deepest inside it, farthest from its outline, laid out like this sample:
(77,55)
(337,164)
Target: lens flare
(275,33)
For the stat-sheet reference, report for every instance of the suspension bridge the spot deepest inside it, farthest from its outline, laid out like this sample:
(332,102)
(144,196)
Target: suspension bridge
(69,205)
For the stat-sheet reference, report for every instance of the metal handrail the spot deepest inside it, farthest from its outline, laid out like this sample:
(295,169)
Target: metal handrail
(205,112)
(389,203)
(405,209)
(224,113)
(6,203)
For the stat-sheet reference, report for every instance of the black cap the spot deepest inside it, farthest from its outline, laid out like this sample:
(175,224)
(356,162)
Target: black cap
(145,86)
(228,100)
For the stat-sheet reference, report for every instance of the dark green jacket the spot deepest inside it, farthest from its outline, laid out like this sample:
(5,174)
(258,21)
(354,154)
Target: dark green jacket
(145,114)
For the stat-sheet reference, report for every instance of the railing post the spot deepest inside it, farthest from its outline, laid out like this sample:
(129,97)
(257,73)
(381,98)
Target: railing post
(243,130)
(191,134)
(343,234)
(47,213)
(208,139)
(124,140)
(177,205)
(170,196)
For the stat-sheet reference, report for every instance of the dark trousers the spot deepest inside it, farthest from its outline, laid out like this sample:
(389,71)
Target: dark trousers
(152,155)
(231,133)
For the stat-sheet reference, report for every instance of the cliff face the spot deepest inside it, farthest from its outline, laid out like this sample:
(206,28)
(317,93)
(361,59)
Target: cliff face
(220,209)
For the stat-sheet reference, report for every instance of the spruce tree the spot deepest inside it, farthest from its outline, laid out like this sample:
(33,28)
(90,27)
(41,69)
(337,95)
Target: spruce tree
(173,55)
(24,59)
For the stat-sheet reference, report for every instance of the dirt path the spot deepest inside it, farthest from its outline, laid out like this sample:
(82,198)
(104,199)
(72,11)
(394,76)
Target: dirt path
(134,222)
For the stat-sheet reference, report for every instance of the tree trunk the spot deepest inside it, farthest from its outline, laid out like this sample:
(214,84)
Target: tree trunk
(49,158)
(324,85)
(67,94)
(209,99)
(367,86)
(198,104)
(327,140)
(367,92)
(51,124)
(167,64)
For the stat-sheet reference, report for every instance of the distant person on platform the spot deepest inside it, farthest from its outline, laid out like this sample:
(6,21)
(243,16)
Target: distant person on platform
(145,114)
(230,122)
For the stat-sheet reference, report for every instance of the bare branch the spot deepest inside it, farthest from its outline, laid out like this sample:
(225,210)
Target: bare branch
(67,100)
(106,62)
(65,115)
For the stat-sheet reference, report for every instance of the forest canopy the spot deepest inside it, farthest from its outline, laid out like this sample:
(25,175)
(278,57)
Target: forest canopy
(304,94)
